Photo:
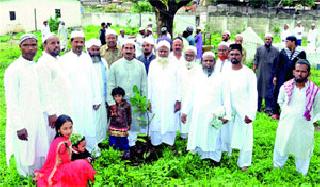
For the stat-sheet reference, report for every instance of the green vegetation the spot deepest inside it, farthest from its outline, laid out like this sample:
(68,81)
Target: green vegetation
(176,166)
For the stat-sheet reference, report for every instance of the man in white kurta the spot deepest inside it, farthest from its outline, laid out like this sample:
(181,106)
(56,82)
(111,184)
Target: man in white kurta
(100,69)
(25,126)
(187,70)
(299,99)
(126,73)
(223,63)
(312,39)
(164,95)
(205,97)
(298,33)
(84,98)
(54,87)
(284,34)
(241,86)
(45,30)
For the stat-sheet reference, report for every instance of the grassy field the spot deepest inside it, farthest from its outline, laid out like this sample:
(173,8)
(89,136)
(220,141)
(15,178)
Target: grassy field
(176,167)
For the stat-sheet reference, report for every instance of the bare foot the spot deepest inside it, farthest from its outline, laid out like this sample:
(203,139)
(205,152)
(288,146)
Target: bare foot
(244,168)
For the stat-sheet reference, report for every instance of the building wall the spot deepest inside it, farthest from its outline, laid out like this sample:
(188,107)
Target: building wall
(25,14)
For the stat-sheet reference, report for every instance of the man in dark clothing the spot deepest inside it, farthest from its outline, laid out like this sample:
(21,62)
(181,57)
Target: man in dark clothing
(147,56)
(283,70)
(263,62)
(103,33)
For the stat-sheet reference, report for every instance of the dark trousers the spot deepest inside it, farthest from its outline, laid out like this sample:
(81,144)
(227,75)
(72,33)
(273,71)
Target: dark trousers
(121,143)
(268,103)
(275,105)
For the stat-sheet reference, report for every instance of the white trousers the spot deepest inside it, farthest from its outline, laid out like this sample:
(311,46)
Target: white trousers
(132,137)
(27,170)
(245,158)
(302,165)
(213,155)
(157,138)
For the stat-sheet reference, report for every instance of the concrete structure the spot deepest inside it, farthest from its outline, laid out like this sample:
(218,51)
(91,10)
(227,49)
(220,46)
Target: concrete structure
(28,15)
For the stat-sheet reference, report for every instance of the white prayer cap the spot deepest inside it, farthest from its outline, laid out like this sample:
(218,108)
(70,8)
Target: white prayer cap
(164,43)
(141,28)
(148,40)
(47,36)
(313,24)
(110,32)
(129,41)
(192,48)
(199,28)
(223,43)
(149,29)
(93,42)
(208,53)
(227,32)
(77,34)
(268,35)
(299,22)
(26,37)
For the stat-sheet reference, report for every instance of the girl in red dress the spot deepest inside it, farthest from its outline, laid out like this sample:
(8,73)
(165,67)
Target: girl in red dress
(58,169)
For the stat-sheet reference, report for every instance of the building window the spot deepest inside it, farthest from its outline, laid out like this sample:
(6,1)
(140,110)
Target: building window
(12,15)
(58,13)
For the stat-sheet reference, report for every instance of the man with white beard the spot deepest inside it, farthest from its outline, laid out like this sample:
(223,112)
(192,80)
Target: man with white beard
(187,71)
(100,69)
(241,86)
(203,102)
(164,95)
(53,84)
(223,63)
(84,99)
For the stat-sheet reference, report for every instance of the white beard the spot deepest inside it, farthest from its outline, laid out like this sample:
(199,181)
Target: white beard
(190,64)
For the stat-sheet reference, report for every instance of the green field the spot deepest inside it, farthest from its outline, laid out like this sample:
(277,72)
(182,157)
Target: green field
(176,167)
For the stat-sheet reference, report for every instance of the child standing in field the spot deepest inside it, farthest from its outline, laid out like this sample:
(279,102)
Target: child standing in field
(120,122)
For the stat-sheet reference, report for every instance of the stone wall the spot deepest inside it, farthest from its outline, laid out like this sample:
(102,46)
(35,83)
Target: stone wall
(236,19)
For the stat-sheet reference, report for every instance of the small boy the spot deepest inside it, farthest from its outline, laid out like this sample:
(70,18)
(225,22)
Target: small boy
(79,148)
(120,122)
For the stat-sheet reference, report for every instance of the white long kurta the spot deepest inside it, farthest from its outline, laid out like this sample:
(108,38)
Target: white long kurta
(100,115)
(163,92)
(83,91)
(54,89)
(203,100)
(187,76)
(312,38)
(222,66)
(295,135)
(24,110)
(242,87)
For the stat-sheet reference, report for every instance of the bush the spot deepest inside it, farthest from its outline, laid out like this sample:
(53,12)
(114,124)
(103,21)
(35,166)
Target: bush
(54,24)
(142,6)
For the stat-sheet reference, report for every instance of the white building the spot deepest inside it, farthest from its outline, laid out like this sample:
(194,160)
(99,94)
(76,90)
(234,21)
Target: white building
(28,15)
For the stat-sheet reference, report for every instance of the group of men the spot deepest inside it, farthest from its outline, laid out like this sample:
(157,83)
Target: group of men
(299,32)
(213,103)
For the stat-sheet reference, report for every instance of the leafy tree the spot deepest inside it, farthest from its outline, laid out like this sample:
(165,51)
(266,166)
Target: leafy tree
(142,6)
(165,11)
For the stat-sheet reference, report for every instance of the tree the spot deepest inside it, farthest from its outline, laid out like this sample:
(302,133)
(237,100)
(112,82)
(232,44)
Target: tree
(165,11)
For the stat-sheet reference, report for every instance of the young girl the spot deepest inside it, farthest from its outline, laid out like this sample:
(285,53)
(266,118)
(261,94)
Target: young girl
(79,148)
(120,121)
(58,169)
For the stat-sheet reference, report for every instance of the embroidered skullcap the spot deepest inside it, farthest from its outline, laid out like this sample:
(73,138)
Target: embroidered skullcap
(141,28)
(149,29)
(26,37)
(268,35)
(190,28)
(129,41)
(208,53)
(77,34)
(93,42)
(164,43)
(163,29)
(223,43)
(111,32)
(148,40)
(227,32)
(47,36)
(192,48)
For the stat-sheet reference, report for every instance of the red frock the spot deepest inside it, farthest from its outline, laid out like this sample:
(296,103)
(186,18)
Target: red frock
(59,170)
